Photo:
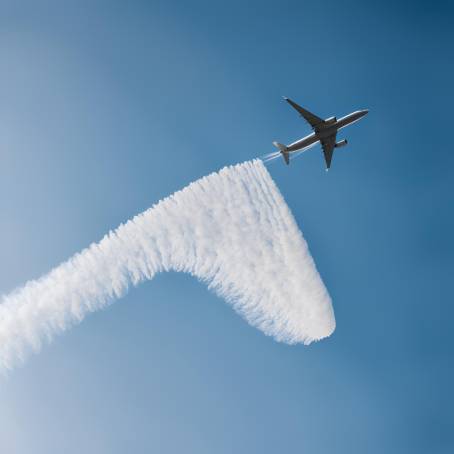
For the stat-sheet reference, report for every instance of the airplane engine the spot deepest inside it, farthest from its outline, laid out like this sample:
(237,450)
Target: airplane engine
(341,143)
(330,120)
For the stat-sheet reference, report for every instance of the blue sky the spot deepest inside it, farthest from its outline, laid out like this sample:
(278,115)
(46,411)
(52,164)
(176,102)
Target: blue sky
(109,106)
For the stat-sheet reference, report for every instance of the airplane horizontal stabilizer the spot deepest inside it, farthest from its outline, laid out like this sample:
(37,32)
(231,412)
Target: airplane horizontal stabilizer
(284,151)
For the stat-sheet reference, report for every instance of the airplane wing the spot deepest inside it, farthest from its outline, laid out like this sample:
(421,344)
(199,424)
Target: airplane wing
(328,145)
(312,119)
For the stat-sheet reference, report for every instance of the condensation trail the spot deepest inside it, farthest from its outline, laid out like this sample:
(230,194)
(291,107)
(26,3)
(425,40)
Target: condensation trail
(231,229)
(294,154)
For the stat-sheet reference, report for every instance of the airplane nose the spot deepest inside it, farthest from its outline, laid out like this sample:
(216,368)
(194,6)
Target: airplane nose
(365,111)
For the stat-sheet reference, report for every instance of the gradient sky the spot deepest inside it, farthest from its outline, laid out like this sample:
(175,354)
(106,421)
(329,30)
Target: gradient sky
(106,107)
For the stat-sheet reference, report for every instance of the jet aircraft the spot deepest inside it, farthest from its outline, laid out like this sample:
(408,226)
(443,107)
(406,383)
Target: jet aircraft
(325,132)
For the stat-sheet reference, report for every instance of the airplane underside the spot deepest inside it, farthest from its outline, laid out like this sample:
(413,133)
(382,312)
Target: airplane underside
(325,132)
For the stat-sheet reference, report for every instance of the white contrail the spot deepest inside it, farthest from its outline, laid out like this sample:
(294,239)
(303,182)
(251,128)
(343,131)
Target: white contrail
(270,156)
(232,230)
(292,155)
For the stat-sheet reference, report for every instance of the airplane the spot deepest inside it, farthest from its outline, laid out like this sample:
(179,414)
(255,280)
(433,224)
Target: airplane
(325,132)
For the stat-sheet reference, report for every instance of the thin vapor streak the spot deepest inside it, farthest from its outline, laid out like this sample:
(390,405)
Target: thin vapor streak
(294,154)
(270,156)
(231,229)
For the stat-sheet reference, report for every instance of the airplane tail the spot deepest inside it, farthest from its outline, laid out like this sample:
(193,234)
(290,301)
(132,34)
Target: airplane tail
(284,151)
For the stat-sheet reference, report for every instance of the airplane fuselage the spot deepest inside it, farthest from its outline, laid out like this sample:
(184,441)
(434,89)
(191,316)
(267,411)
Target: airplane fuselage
(326,129)
(325,132)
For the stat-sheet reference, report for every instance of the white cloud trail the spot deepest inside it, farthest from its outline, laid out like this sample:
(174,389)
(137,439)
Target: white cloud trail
(231,229)
(294,154)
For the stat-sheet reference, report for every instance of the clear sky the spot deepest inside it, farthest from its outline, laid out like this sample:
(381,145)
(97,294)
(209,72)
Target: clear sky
(106,107)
